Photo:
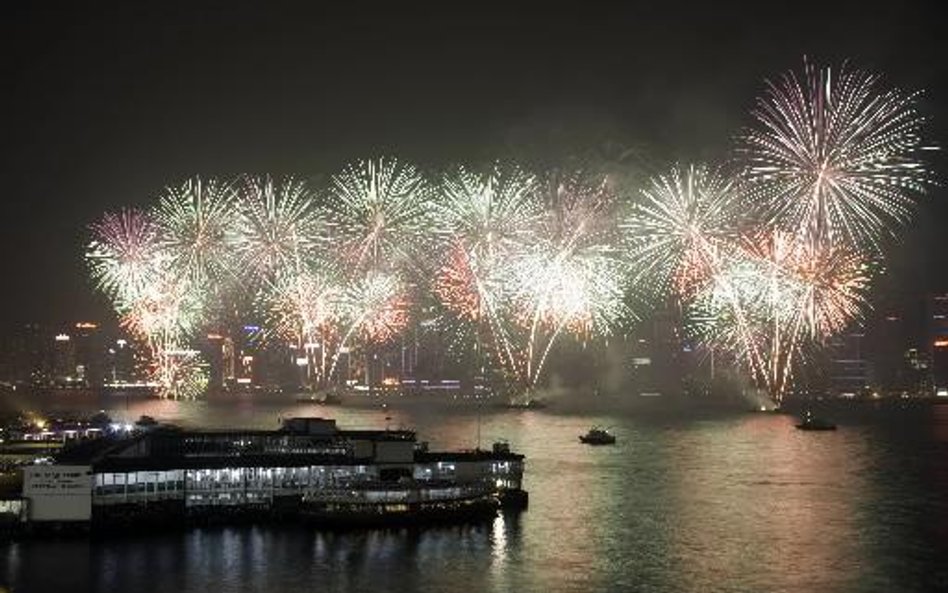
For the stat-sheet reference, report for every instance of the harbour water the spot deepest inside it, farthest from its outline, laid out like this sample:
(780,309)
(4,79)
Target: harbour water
(682,502)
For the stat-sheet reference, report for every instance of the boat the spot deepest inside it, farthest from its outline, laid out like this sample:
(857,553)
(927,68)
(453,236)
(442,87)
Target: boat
(146,421)
(598,436)
(527,404)
(324,399)
(811,422)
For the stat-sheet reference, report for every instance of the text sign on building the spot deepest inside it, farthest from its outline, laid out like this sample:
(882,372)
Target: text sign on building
(58,492)
(57,479)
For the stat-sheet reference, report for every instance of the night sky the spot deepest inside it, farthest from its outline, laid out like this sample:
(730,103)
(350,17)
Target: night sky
(104,107)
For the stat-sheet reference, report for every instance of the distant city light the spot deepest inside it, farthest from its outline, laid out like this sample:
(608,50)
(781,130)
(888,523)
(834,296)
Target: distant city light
(62,338)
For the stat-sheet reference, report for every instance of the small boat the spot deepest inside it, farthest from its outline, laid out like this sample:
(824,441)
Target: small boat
(598,436)
(146,422)
(322,399)
(811,422)
(528,404)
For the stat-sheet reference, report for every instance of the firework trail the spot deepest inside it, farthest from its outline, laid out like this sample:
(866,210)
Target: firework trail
(573,278)
(775,298)
(375,307)
(303,309)
(487,221)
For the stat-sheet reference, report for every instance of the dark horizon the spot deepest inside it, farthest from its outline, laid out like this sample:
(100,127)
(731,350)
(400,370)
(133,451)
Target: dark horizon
(108,106)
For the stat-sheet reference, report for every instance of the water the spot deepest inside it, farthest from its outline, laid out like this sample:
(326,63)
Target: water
(723,503)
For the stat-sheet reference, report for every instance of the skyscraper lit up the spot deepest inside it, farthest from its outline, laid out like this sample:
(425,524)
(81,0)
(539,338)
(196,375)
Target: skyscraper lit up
(938,342)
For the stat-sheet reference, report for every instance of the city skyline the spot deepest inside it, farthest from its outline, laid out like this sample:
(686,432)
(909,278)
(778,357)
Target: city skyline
(474,296)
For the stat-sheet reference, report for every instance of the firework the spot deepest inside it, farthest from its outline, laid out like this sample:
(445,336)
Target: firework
(523,273)
(380,211)
(195,219)
(767,264)
(178,373)
(377,306)
(168,311)
(277,227)
(675,234)
(487,221)
(836,154)
(572,279)
(124,255)
(490,215)
(300,304)
(303,310)
(774,298)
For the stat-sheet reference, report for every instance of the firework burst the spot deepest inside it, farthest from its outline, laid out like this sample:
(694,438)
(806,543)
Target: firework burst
(178,373)
(380,211)
(487,222)
(195,219)
(277,227)
(377,307)
(836,154)
(572,279)
(776,297)
(675,234)
(124,255)
(166,312)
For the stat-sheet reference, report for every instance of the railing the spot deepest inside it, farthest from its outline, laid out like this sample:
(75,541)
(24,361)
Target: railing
(394,493)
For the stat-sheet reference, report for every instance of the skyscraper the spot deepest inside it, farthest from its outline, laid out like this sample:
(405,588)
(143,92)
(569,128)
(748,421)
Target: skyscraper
(937,319)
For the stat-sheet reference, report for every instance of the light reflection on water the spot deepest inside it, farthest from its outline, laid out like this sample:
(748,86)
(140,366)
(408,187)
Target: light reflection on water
(739,503)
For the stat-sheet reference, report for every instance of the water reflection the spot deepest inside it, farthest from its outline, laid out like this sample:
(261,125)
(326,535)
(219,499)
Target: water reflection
(736,503)
(768,503)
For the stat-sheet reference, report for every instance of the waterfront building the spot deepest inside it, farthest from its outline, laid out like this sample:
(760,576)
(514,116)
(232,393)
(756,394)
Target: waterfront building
(308,467)
(850,371)
(64,360)
(938,343)
(25,352)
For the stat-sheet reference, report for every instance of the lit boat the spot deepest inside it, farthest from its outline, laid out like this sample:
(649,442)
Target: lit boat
(811,422)
(598,436)
(528,404)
